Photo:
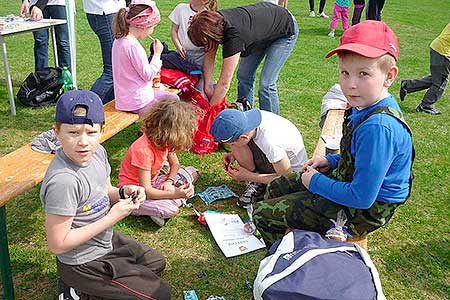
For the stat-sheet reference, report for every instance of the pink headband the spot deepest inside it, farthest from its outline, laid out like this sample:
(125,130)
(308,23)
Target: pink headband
(146,18)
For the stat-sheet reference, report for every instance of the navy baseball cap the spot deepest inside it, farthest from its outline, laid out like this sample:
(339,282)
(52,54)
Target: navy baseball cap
(231,123)
(70,100)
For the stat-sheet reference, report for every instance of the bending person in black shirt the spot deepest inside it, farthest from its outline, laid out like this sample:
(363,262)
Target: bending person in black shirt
(251,33)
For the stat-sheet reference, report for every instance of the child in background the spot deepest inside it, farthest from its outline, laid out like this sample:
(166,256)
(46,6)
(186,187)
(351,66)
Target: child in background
(437,81)
(81,207)
(321,13)
(372,175)
(168,127)
(357,11)
(132,73)
(180,17)
(340,10)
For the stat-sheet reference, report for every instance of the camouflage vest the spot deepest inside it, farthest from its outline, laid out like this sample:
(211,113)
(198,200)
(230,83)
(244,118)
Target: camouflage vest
(345,168)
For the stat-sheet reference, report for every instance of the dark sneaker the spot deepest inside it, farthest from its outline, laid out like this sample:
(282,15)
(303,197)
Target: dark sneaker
(403,90)
(428,110)
(252,191)
(241,104)
(66,292)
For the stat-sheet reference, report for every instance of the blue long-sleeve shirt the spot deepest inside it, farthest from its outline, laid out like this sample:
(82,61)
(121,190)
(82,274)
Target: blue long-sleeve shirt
(382,150)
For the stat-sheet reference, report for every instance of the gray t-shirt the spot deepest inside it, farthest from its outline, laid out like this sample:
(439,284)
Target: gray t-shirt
(79,192)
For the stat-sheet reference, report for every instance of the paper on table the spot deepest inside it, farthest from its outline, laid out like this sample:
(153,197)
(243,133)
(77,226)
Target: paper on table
(228,231)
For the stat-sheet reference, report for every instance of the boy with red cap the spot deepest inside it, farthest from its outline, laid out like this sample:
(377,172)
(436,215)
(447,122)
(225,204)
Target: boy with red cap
(81,206)
(372,174)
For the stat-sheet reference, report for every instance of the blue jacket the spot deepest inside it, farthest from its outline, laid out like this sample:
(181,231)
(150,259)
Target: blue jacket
(382,151)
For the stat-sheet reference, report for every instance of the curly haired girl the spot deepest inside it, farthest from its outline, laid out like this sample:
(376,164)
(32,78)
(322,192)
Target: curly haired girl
(168,128)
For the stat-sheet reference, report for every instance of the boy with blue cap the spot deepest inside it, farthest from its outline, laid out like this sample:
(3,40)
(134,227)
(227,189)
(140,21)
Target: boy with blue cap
(81,206)
(263,144)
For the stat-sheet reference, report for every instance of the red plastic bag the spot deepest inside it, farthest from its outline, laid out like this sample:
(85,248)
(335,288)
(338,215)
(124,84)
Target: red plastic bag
(203,140)
(196,98)
(178,79)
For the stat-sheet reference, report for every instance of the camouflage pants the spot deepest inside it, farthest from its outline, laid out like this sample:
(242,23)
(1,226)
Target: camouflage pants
(288,204)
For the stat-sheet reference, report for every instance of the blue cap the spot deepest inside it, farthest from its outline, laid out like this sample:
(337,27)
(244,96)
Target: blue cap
(87,99)
(231,123)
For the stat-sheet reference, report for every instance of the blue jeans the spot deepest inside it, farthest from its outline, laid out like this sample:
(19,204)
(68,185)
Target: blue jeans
(275,55)
(62,39)
(102,27)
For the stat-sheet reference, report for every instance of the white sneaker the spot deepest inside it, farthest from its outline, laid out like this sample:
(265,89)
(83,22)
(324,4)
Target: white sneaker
(312,14)
(331,34)
(158,220)
(323,15)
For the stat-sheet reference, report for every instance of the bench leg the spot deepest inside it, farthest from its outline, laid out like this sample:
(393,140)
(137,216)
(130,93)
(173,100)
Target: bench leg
(5,263)
(360,241)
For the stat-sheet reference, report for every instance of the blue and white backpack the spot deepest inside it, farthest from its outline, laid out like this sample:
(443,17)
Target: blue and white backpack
(305,266)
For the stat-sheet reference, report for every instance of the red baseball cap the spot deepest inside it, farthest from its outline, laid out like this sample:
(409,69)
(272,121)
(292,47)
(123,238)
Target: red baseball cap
(369,39)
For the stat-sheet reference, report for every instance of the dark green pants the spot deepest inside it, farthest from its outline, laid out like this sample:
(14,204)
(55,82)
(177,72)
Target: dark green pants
(288,204)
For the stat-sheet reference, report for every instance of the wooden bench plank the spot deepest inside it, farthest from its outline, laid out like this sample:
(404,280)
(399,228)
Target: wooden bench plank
(24,168)
(333,127)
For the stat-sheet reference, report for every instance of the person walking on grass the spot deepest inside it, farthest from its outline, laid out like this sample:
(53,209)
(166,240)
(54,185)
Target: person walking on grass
(81,207)
(168,127)
(437,82)
(340,11)
(133,84)
(374,9)
(358,7)
(372,175)
(321,13)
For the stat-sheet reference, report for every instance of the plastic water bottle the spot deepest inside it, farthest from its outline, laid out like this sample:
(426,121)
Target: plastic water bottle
(66,78)
(157,80)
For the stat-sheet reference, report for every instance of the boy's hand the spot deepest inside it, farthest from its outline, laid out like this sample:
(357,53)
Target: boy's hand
(227,160)
(239,173)
(122,209)
(158,47)
(184,191)
(320,164)
(136,192)
(307,175)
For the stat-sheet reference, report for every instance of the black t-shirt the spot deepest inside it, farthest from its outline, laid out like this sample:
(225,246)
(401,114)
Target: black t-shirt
(254,27)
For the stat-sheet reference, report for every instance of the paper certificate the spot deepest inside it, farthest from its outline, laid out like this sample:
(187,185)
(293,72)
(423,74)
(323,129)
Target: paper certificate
(228,231)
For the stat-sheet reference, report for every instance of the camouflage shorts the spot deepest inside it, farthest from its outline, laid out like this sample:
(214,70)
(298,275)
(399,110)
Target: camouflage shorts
(288,204)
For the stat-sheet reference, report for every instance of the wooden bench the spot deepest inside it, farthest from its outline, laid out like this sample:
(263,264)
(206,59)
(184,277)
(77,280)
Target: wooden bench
(25,168)
(333,127)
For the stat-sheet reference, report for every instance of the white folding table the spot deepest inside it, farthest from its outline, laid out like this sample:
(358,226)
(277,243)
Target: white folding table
(22,27)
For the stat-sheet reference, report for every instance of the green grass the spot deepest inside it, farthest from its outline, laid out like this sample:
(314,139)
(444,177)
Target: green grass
(411,253)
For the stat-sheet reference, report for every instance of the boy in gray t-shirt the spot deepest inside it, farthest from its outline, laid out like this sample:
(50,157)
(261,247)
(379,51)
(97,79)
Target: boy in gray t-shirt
(81,207)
